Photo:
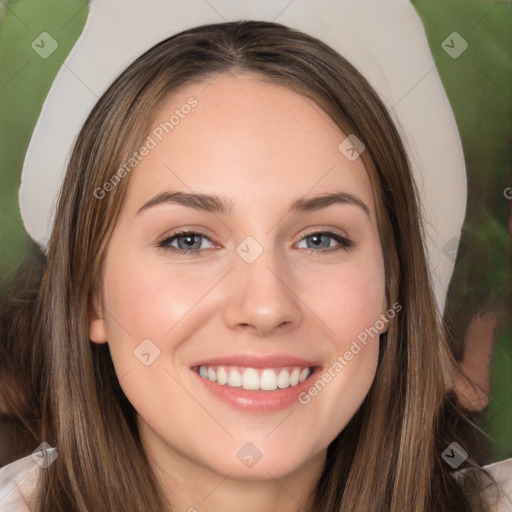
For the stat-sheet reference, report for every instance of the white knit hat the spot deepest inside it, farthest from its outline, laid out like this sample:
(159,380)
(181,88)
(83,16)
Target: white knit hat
(385,41)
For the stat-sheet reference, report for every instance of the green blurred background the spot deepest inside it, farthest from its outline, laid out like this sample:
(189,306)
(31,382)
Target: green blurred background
(478,84)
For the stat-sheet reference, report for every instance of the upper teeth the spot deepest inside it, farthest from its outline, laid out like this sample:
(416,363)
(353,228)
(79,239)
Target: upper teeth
(267,379)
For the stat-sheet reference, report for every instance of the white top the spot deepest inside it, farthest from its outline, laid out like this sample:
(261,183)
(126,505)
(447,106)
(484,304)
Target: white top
(18,482)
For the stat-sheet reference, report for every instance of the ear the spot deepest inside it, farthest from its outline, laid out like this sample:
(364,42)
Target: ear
(97,327)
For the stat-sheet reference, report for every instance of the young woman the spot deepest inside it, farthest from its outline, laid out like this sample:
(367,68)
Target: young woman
(235,310)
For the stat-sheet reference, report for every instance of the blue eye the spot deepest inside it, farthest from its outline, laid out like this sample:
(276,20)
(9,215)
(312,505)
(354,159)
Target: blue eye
(317,237)
(189,242)
(186,240)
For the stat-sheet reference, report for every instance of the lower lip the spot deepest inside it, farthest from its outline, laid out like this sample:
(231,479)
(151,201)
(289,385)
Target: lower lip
(258,401)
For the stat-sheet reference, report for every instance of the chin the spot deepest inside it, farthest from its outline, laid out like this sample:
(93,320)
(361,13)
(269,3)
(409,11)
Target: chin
(249,463)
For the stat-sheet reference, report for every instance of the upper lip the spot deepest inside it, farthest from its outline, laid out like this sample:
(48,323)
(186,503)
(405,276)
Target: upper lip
(250,361)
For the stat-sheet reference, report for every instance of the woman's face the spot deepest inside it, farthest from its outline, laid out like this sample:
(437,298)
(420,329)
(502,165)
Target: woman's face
(255,309)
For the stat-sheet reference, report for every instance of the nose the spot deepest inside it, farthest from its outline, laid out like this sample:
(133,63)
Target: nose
(261,296)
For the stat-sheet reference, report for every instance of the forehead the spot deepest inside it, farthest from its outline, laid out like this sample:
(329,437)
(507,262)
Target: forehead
(241,136)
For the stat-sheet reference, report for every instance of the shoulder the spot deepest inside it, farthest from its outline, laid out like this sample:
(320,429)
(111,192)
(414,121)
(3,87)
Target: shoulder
(502,473)
(19,482)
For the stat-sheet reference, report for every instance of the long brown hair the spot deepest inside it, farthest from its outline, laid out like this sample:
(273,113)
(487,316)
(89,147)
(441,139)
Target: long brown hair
(389,456)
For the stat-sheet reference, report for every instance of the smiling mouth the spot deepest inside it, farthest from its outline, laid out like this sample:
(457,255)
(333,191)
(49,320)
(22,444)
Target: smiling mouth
(255,379)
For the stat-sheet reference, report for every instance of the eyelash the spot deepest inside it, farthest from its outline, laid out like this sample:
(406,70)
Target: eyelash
(345,243)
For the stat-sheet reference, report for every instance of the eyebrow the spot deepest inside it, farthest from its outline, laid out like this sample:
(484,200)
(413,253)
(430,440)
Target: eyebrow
(216,204)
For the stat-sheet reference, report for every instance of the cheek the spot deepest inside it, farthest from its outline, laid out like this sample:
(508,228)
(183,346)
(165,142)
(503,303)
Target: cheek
(349,299)
(350,305)
(147,299)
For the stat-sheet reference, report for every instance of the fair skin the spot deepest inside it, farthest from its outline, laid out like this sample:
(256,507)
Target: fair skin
(261,146)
